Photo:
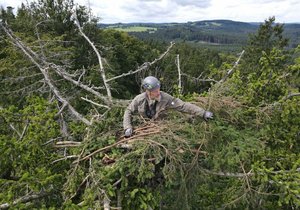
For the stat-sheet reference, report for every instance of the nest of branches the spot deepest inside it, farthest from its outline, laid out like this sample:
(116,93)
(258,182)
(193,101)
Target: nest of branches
(166,149)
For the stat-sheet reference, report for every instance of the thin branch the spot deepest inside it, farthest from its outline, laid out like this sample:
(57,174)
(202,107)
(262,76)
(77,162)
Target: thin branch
(246,176)
(61,109)
(68,142)
(12,127)
(63,144)
(197,79)
(144,66)
(230,71)
(24,130)
(228,174)
(65,158)
(24,199)
(81,75)
(92,102)
(52,140)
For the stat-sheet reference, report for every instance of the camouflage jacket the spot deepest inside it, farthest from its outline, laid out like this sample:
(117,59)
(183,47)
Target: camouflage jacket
(144,106)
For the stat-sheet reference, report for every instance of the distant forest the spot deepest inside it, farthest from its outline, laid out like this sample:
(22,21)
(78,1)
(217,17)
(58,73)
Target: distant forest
(216,34)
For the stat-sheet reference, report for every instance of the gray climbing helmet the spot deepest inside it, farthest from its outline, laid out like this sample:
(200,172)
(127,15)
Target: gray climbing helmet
(150,83)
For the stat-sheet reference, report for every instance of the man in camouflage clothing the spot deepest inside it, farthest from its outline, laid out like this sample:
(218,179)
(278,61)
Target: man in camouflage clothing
(153,102)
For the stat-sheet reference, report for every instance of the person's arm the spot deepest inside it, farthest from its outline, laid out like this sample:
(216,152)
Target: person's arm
(186,107)
(179,105)
(132,107)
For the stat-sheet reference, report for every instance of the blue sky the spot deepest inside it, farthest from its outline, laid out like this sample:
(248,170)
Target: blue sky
(126,11)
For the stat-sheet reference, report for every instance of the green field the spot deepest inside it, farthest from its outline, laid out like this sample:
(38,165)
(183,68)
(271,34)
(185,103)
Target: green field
(134,29)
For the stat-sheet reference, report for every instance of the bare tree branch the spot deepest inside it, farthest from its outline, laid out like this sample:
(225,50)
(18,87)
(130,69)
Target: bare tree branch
(64,158)
(12,127)
(92,102)
(144,66)
(197,79)
(228,174)
(230,71)
(64,74)
(34,57)
(63,144)
(24,130)
(24,199)
(291,95)
(179,74)
(102,72)
(106,202)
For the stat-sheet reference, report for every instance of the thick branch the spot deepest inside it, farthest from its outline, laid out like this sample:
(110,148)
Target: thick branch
(102,72)
(179,74)
(291,95)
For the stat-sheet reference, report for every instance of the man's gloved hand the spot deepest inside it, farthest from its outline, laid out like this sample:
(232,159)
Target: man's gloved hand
(207,115)
(128,132)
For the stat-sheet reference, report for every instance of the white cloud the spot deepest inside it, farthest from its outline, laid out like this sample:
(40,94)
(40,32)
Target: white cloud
(188,10)
(199,3)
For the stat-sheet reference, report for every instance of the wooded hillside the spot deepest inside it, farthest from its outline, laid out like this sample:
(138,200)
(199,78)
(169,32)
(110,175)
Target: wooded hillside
(221,35)
(65,85)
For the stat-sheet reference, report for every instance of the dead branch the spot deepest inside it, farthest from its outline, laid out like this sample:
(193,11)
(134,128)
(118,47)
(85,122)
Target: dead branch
(198,79)
(80,186)
(24,130)
(246,176)
(68,142)
(65,158)
(115,144)
(61,109)
(60,71)
(63,144)
(144,66)
(230,71)
(24,199)
(106,202)
(102,72)
(92,102)
(14,129)
(34,59)
(291,95)
(228,174)
(179,73)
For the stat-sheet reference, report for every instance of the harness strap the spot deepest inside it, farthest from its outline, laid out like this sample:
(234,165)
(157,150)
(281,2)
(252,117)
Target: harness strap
(150,111)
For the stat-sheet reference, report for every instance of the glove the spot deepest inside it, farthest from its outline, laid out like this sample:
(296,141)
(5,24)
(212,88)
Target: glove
(207,115)
(128,132)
